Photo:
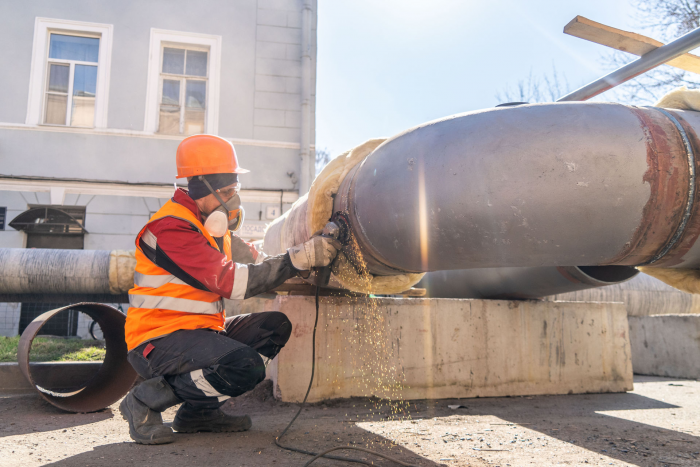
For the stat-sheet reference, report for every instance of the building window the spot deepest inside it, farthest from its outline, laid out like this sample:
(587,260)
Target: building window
(182,96)
(72,80)
(183,85)
(69,78)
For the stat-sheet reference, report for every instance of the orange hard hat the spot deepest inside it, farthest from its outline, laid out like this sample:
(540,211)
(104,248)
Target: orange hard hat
(206,154)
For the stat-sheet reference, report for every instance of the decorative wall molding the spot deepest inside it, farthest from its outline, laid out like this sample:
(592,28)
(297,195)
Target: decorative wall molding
(63,187)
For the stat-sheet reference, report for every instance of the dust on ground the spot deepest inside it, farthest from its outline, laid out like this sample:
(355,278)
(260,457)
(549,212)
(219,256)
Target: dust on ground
(656,424)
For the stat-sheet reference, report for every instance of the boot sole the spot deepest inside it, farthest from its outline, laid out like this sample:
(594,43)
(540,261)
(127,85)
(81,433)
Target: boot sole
(123,409)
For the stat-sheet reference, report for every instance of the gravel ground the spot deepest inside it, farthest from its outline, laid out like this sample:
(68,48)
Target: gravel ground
(656,424)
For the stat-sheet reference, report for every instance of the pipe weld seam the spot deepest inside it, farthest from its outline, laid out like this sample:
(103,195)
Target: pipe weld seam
(691,189)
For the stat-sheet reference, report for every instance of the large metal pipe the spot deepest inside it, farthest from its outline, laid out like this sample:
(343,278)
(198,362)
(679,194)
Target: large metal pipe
(646,62)
(582,184)
(521,283)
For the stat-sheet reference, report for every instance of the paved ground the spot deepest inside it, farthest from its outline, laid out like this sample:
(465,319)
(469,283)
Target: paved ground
(657,424)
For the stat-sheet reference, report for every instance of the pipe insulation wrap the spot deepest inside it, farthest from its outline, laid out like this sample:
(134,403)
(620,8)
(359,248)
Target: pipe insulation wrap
(44,271)
(311,212)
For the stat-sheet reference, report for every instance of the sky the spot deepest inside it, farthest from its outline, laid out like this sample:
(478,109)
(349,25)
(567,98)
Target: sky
(384,66)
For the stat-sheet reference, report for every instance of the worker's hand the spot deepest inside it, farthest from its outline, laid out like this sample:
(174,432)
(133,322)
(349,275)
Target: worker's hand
(317,252)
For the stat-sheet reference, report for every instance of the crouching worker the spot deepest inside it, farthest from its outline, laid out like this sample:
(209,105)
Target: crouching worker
(178,337)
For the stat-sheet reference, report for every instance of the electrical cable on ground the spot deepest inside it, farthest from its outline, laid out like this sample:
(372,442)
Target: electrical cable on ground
(324,454)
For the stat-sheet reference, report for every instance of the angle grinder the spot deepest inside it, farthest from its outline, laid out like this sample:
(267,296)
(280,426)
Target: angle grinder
(337,228)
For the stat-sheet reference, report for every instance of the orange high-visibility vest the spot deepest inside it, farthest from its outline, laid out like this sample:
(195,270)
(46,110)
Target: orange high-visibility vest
(160,303)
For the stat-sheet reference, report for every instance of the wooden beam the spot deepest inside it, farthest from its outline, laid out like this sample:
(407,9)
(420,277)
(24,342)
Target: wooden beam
(625,41)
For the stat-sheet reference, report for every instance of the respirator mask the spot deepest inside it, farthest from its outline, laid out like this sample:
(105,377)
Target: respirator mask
(228,216)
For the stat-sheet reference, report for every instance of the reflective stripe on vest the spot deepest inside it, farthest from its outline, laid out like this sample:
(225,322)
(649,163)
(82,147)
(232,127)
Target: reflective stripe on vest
(176,304)
(154,281)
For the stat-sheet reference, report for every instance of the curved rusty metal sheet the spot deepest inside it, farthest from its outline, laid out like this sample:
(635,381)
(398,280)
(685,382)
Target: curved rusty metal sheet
(114,378)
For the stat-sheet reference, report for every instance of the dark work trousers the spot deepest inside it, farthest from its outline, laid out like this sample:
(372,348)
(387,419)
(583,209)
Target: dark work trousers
(205,367)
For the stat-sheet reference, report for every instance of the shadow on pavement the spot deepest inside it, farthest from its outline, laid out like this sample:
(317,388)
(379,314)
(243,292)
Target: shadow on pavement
(31,414)
(577,419)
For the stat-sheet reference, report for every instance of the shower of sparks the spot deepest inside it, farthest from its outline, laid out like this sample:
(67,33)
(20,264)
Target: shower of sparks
(376,368)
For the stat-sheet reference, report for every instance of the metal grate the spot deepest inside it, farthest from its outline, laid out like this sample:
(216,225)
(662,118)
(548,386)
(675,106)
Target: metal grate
(64,324)
(16,316)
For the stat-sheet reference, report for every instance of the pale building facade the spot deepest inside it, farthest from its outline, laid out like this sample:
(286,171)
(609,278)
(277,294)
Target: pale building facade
(98,94)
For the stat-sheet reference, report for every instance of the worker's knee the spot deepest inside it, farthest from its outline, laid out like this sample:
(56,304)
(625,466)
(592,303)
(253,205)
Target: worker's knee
(279,323)
(239,371)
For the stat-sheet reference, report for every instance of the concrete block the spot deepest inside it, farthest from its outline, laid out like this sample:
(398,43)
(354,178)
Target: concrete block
(267,117)
(277,101)
(292,119)
(666,345)
(271,50)
(279,34)
(293,85)
(445,348)
(272,17)
(12,238)
(294,19)
(110,241)
(274,67)
(280,4)
(276,134)
(293,52)
(270,83)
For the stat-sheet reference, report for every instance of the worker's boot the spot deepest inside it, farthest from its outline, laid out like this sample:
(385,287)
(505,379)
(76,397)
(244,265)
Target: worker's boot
(142,408)
(191,420)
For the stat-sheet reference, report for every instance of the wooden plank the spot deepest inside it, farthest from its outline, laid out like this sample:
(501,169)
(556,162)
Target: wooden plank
(625,41)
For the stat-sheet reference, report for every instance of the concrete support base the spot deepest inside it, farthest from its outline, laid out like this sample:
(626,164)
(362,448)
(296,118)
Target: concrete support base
(447,348)
(666,345)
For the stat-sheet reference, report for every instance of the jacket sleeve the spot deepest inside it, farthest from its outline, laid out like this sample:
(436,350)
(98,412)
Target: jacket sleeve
(185,253)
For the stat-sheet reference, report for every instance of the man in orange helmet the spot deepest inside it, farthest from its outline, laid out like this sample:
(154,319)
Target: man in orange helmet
(187,259)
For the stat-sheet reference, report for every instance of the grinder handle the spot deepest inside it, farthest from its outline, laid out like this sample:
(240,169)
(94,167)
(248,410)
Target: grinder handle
(323,275)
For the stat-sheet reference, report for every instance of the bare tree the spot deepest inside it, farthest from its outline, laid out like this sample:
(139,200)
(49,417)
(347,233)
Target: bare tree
(546,88)
(665,20)
(323,157)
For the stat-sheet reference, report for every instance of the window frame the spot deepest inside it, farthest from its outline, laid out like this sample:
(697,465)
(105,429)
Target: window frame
(161,38)
(39,73)
(183,82)
(71,75)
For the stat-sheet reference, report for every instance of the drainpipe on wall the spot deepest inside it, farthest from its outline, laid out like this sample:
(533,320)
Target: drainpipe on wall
(308,166)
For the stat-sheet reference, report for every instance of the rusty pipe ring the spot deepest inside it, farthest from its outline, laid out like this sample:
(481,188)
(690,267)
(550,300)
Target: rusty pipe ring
(691,188)
(114,378)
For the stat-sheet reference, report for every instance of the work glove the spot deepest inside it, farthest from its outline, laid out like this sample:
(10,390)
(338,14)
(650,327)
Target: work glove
(317,252)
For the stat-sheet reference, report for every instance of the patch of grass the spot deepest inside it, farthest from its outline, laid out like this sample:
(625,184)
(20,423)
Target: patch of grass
(47,349)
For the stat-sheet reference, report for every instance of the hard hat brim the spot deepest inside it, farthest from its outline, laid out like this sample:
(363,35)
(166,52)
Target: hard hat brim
(185,172)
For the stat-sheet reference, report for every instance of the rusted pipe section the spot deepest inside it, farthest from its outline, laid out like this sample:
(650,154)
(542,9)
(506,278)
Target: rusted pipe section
(114,378)
(584,184)
(521,283)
